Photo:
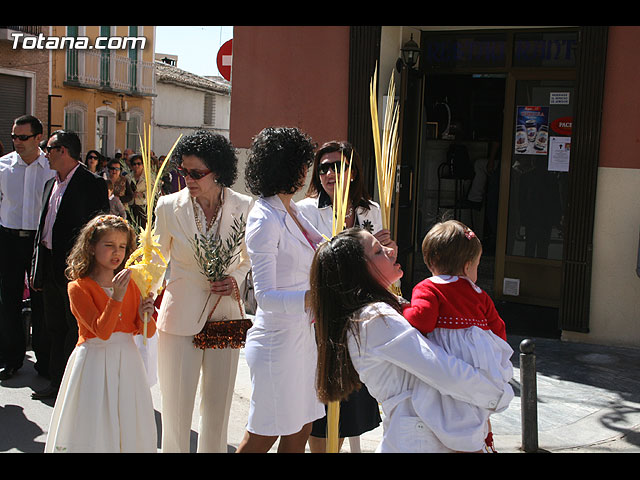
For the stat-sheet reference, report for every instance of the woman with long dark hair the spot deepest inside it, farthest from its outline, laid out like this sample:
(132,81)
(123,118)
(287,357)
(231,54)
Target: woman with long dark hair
(362,337)
(359,413)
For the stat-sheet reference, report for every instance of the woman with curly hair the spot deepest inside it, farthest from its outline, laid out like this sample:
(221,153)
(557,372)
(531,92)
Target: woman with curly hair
(209,207)
(280,348)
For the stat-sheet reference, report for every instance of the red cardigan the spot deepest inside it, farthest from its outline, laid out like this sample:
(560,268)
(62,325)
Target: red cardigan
(457,304)
(99,315)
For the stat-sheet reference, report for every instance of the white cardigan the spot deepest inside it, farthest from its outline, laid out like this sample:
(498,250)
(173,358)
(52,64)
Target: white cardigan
(280,260)
(409,375)
(184,307)
(322,216)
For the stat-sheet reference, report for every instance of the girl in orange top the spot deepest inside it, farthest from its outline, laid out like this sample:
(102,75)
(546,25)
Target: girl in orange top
(104,403)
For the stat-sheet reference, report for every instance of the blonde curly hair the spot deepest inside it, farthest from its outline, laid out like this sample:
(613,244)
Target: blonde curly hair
(81,261)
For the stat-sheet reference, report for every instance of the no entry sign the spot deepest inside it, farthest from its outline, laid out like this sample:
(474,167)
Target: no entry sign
(223,60)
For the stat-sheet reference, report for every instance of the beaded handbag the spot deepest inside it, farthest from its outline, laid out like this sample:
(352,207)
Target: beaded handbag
(224,333)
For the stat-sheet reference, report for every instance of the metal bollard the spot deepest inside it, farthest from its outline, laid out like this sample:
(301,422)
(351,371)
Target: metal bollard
(528,396)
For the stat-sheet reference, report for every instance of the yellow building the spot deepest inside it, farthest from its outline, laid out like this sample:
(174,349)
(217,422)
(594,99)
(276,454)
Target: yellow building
(102,84)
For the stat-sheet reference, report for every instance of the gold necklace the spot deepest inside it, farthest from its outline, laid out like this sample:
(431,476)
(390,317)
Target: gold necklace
(210,222)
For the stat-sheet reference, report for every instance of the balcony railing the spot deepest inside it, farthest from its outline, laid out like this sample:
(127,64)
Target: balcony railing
(109,71)
(30,30)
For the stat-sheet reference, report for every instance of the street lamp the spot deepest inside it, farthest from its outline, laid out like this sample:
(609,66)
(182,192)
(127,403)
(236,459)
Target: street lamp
(410,53)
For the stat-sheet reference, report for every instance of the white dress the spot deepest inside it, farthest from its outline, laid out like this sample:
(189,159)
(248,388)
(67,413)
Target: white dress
(410,376)
(280,349)
(104,404)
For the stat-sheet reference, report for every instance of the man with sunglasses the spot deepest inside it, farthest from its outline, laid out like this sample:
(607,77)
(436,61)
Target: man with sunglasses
(23,174)
(72,198)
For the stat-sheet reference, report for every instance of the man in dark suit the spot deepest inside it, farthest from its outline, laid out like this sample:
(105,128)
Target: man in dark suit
(70,200)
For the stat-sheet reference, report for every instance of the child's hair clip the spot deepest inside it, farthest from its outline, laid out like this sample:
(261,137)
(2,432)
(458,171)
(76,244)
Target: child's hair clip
(469,234)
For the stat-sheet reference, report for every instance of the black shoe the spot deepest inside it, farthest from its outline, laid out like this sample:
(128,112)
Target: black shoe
(42,371)
(8,372)
(49,392)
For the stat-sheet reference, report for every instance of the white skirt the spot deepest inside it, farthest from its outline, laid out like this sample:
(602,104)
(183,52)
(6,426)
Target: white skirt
(458,425)
(104,404)
(282,364)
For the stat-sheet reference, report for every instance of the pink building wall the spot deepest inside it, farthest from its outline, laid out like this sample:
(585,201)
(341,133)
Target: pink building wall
(620,140)
(311,62)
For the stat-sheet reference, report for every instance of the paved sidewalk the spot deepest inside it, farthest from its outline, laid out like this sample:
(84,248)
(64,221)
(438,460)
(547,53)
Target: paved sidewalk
(588,402)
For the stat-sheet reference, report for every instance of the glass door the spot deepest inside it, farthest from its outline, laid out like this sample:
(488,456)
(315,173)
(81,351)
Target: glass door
(535,168)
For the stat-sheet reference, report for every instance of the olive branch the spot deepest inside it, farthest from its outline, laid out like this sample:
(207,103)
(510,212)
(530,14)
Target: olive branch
(215,255)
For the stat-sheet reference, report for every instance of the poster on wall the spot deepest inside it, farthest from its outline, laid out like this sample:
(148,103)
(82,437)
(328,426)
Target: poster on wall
(532,130)
(559,154)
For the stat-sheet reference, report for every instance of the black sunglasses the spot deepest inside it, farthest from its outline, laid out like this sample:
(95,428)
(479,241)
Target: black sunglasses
(324,168)
(23,138)
(49,148)
(195,174)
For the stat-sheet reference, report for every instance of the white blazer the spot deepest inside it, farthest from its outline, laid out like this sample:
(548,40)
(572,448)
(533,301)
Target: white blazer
(322,216)
(280,260)
(410,376)
(184,306)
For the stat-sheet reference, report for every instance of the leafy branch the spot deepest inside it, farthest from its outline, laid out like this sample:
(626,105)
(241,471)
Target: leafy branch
(214,256)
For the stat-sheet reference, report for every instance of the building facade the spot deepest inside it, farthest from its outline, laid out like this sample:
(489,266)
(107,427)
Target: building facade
(24,80)
(102,88)
(186,102)
(558,215)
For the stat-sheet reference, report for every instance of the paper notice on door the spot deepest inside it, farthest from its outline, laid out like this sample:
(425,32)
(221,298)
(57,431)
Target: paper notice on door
(559,153)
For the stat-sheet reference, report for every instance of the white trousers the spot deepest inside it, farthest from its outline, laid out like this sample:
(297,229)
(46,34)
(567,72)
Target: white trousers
(180,366)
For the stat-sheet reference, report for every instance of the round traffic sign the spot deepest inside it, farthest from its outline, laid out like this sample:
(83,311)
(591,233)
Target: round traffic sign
(223,60)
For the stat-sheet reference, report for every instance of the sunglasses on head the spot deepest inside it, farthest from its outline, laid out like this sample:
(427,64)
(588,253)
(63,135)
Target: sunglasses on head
(325,168)
(195,174)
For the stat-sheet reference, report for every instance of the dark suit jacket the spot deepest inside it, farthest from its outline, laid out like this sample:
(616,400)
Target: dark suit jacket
(85,197)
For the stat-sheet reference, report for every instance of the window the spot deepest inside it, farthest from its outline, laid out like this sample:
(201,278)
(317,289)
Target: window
(105,131)
(549,49)
(105,59)
(72,57)
(465,50)
(134,130)
(133,61)
(209,109)
(75,115)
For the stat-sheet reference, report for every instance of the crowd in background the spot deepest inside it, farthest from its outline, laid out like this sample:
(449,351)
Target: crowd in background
(327,327)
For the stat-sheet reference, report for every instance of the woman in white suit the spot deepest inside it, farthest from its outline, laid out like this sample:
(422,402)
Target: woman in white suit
(280,348)
(360,413)
(207,206)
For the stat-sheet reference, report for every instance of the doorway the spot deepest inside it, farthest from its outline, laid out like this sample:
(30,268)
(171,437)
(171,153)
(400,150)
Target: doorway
(478,91)
(464,117)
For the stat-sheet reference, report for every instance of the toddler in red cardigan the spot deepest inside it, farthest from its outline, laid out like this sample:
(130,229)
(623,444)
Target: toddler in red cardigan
(452,311)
